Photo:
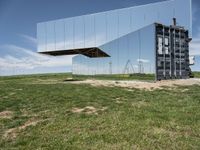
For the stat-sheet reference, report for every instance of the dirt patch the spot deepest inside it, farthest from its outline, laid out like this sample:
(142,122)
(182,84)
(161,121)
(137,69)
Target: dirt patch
(140,104)
(164,131)
(139,84)
(46,81)
(88,110)
(13,132)
(6,115)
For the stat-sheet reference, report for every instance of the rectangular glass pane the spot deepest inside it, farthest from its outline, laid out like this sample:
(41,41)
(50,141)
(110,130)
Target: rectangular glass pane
(50,28)
(123,53)
(100,28)
(41,36)
(134,50)
(79,32)
(165,13)
(138,17)
(147,55)
(112,23)
(89,31)
(124,21)
(183,13)
(69,33)
(59,34)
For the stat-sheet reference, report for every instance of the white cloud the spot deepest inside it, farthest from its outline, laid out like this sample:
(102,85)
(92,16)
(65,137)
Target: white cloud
(143,60)
(21,58)
(30,39)
(30,60)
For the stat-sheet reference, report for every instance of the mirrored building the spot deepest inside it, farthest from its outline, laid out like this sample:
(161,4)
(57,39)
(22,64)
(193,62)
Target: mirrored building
(140,39)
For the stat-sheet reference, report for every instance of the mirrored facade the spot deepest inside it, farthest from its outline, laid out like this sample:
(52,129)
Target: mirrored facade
(125,35)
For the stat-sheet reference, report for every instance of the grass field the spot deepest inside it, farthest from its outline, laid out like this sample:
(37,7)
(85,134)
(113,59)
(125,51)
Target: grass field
(196,74)
(43,112)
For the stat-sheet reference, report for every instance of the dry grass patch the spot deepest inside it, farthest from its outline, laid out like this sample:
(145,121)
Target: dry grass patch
(184,90)
(140,104)
(12,93)
(88,110)
(19,89)
(13,132)
(119,100)
(6,115)
(171,134)
(5,97)
(28,113)
(46,81)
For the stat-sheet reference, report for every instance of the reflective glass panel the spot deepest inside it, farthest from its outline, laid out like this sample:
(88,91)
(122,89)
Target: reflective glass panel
(69,33)
(89,31)
(134,47)
(183,13)
(124,22)
(147,54)
(100,28)
(138,16)
(59,35)
(79,32)
(50,28)
(165,13)
(41,36)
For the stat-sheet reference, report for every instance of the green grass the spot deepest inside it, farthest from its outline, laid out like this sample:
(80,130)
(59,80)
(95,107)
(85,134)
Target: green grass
(137,119)
(196,74)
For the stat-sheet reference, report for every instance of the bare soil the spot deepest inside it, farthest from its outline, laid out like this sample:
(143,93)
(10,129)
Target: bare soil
(6,115)
(13,132)
(88,110)
(141,84)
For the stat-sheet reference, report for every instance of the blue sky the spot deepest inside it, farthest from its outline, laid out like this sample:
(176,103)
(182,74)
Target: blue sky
(18,19)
